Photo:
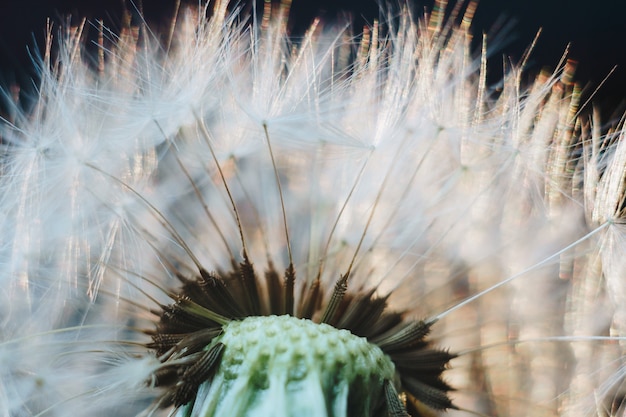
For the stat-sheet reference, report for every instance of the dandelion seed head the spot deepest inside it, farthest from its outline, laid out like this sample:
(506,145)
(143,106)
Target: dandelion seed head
(293,364)
(175,188)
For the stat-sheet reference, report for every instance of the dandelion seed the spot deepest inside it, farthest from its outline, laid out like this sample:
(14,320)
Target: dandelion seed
(228,221)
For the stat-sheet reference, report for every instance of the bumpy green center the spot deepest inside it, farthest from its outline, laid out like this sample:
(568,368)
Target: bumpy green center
(285,366)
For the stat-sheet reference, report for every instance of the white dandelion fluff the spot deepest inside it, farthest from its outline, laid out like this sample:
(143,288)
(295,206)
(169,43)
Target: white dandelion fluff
(229,221)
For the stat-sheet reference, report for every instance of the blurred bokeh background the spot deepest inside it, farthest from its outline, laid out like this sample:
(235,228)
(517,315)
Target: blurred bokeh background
(595,30)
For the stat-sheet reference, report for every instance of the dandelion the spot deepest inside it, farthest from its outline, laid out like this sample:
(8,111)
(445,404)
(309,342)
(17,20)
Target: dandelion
(228,221)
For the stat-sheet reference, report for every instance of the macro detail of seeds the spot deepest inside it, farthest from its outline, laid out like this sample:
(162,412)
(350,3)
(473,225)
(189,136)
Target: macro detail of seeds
(224,219)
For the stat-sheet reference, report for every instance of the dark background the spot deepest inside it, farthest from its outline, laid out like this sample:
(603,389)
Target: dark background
(596,31)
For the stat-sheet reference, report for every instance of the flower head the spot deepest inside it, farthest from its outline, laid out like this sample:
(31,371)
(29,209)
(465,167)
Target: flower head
(230,221)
